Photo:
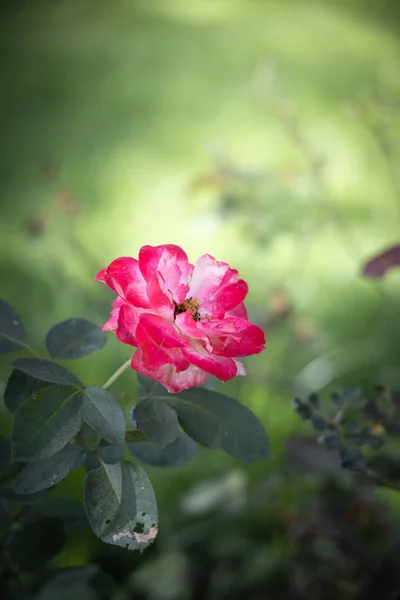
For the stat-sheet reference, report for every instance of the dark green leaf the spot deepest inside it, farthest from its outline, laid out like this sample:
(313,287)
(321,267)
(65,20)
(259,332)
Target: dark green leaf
(330,439)
(92,462)
(350,427)
(89,435)
(365,438)
(24,500)
(42,474)
(12,333)
(56,591)
(112,454)
(74,338)
(45,370)
(104,414)
(5,455)
(70,575)
(19,388)
(314,402)
(318,423)
(121,506)
(337,398)
(303,409)
(46,422)
(173,455)
(33,546)
(217,421)
(157,420)
(352,459)
(134,437)
(148,387)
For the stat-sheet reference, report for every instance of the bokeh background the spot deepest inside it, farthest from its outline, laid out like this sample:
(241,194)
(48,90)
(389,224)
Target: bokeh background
(266,134)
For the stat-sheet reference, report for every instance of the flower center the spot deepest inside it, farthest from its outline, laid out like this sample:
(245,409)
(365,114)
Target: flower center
(190,305)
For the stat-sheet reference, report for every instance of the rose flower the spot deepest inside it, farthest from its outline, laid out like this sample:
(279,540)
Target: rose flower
(187,322)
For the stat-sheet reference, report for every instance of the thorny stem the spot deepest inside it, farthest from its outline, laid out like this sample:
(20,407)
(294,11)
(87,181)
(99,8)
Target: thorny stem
(117,374)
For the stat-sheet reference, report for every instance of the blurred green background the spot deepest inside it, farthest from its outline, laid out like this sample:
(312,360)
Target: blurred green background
(264,133)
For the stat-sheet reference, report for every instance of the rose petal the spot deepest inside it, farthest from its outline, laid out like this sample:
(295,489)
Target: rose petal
(235,337)
(157,338)
(216,286)
(172,263)
(221,367)
(112,323)
(128,320)
(207,277)
(193,329)
(169,377)
(239,311)
(225,299)
(124,277)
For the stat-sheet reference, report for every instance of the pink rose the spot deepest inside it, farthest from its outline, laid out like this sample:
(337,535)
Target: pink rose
(187,322)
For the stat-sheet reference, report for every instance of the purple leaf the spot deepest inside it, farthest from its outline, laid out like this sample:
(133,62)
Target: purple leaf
(377,266)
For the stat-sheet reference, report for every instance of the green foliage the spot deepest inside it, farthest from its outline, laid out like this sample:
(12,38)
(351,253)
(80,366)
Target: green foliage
(102,413)
(217,421)
(355,423)
(178,452)
(19,388)
(60,425)
(45,370)
(12,333)
(74,338)
(121,506)
(157,420)
(213,420)
(42,474)
(46,422)
(112,453)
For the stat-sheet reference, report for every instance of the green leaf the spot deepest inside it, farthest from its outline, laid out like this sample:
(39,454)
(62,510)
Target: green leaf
(12,333)
(148,387)
(352,459)
(74,338)
(84,583)
(112,454)
(314,401)
(121,506)
(302,408)
(22,500)
(157,420)
(32,547)
(19,388)
(318,423)
(104,414)
(42,474)
(46,422)
(330,439)
(45,370)
(217,421)
(135,437)
(5,455)
(173,455)
(79,589)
